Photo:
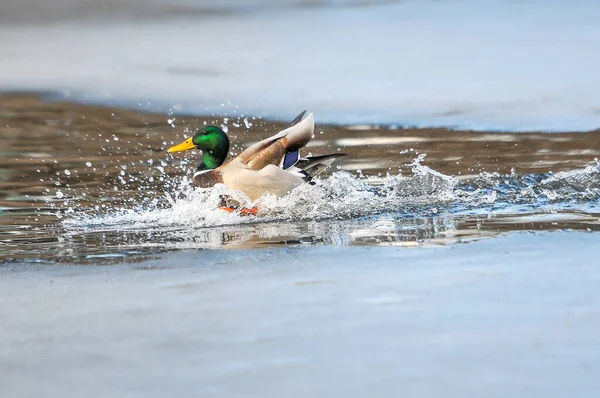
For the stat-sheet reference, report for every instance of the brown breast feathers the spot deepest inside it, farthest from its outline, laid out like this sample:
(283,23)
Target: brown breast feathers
(207,178)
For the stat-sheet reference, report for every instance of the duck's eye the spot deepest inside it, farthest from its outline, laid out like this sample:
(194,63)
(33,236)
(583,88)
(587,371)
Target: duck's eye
(205,133)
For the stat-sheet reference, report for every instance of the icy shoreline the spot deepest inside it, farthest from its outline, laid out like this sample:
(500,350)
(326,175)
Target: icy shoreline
(513,316)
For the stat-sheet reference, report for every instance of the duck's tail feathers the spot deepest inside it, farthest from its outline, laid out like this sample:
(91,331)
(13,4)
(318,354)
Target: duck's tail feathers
(313,166)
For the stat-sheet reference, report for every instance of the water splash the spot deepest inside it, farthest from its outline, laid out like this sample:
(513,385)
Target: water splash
(424,192)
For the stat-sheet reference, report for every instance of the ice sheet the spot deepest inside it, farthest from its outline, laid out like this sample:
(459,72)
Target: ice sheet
(513,316)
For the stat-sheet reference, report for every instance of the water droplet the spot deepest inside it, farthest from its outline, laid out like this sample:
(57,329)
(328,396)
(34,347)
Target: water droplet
(59,195)
(88,164)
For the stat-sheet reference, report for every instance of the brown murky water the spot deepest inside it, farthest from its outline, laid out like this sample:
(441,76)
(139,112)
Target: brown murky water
(61,162)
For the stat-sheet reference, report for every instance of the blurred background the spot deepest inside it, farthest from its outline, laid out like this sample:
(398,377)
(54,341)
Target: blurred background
(486,64)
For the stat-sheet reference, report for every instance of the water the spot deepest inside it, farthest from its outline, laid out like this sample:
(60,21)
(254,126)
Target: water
(94,185)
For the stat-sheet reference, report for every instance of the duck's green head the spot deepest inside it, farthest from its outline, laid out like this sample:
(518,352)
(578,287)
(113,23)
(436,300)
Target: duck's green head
(212,141)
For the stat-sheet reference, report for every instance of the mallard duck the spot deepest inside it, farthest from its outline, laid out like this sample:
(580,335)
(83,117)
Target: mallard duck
(270,166)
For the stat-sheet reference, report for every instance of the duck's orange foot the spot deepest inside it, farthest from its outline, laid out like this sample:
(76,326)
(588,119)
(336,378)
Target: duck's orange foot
(251,211)
(243,212)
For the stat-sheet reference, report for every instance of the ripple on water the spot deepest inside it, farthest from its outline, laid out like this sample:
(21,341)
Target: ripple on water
(423,208)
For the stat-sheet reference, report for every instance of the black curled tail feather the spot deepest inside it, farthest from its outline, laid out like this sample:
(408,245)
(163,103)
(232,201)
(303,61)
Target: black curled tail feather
(313,166)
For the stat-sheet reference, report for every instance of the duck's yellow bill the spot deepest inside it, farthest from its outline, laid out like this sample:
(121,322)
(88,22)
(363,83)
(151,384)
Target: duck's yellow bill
(184,146)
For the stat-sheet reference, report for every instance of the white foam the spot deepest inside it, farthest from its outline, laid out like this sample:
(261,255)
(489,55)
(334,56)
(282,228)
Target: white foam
(343,196)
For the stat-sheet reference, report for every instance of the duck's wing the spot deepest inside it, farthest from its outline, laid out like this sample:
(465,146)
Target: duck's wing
(273,149)
(291,157)
(297,119)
